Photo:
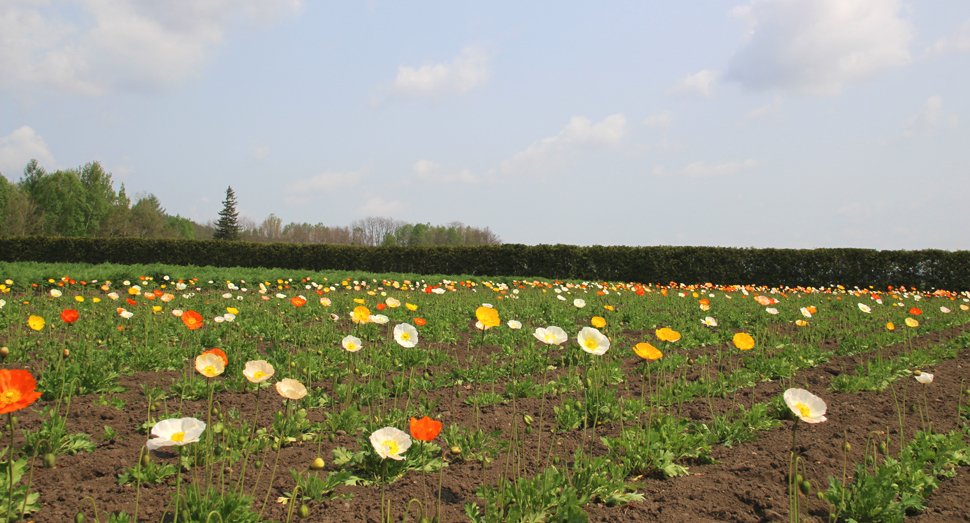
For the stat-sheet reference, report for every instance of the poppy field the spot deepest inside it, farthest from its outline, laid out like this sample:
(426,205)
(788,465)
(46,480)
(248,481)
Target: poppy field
(163,393)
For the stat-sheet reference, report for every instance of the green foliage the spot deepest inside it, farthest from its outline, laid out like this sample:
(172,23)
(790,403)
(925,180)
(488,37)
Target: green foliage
(863,267)
(153,473)
(15,499)
(227,505)
(475,445)
(227,228)
(899,486)
(555,495)
(53,437)
(658,447)
(313,488)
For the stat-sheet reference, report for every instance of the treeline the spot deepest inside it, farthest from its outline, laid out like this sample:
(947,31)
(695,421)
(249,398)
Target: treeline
(371,231)
(82,202)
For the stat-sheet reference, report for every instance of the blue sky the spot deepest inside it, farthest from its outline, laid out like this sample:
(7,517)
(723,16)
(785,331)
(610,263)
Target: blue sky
(758,123)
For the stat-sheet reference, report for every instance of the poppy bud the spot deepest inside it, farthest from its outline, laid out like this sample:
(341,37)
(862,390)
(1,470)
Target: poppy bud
(303,511)
(4,352)
(79,518)
(846,447)
(146,460)
(316,464)
(882,447)
(805,487)
(527,419)
(49,460)
(66,353)
(456,450)
(917,372)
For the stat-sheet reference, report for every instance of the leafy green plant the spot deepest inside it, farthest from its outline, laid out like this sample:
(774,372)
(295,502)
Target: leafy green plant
(227,506)
(658,448)
(313,488)
(149,472)
(53,436)
(478,446)
(19,499)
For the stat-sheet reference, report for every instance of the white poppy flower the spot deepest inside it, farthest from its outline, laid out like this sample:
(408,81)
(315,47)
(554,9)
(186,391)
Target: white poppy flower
(390,442)
(923,377)
(593,341)
(579,303)
(514,325)
(291,389)
(351,343)
(180,432)
(405,335)
(807,406)
(551,335)
(258,371)
(865,308)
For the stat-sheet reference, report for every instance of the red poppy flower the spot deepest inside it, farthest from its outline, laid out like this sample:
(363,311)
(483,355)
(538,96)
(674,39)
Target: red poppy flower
(298,301)
(218,352)
(16,390)
(158,292)
(69,315)
(425,429)
(131,301)
(192,319)
(381,306)
(915,312)
(420,321)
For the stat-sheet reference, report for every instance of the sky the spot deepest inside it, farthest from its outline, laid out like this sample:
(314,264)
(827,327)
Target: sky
(759,123)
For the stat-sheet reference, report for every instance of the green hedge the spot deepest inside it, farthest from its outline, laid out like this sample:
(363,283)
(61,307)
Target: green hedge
(926,269)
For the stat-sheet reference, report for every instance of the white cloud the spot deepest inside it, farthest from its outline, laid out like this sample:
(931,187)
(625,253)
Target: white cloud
(579,133)
(818,46)
(118,45)
(259,152)
(706,170)
(467,71)
(328,182)
(429,171)
(663,119)
(18,148)
(376,206)
(958,42)
(699,83)
(930,117)
(769,111)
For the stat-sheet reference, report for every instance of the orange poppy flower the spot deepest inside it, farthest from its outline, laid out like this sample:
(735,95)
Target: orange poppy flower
(743,341)
(218,352)
(17,390)
(192,319)
(488,316)
(705,301)
(69,315)
(420,322)
(647,351)
(666,334)
(598,322)
(812,309)
(915,312)
(381,306)
(425,429)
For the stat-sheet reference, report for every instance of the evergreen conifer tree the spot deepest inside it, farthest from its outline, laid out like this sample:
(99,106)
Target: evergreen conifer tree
(227,228)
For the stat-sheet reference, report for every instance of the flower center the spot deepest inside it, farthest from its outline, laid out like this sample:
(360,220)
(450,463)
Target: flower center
(803,408)
(590,343)
(392,447)
(10,397)
(405,336)
(351,347)
(259,375)
(550,337)
(209,370)
(178,437)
